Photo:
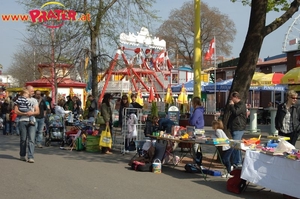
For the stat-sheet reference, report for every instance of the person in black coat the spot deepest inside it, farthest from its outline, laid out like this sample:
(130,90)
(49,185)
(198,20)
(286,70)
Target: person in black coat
(151,125)
(237,124)
(165,124)
(134,103)
(287,119)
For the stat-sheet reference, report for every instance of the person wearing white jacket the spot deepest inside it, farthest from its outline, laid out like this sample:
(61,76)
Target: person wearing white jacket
(217,125)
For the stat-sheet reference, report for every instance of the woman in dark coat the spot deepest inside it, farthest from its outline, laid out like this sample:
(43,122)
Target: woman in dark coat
(106,113)
(124,104)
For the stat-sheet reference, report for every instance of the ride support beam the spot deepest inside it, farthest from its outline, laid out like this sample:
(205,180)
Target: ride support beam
(111,68)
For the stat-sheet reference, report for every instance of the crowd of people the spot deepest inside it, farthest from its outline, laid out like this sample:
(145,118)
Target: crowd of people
(26,115)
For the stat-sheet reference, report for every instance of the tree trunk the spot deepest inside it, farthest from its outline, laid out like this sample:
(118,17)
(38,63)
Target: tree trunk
(94,60)
(249,55)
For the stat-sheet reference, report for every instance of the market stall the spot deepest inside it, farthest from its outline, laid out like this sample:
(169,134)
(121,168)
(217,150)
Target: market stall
(273,172)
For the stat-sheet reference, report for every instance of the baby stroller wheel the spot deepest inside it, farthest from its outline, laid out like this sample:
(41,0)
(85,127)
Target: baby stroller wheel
(47,143)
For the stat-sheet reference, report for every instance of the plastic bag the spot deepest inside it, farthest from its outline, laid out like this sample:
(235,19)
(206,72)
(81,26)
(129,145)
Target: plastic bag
(105,139)
(284,146)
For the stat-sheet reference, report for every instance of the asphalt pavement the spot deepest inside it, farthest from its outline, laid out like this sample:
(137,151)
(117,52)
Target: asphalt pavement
(65,174)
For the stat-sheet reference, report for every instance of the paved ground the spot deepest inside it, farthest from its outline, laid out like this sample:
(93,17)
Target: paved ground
(64,174)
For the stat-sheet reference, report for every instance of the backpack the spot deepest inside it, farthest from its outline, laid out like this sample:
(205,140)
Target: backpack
(236,184)
(191,168)
(131,146)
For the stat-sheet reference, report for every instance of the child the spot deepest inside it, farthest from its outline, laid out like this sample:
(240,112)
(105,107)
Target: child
(217,125)
(24,105)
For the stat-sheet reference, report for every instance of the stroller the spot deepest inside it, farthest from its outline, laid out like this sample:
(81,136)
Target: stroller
(56,130)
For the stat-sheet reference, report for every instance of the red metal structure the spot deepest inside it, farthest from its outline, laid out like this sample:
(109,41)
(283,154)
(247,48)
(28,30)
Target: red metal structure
(145,75)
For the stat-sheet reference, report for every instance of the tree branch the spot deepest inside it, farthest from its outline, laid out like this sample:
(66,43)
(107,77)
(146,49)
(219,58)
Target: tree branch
(294,6)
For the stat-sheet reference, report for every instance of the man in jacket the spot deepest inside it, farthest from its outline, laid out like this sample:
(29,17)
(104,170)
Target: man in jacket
(287,118)
(237,124)
(40,118)
(93,106)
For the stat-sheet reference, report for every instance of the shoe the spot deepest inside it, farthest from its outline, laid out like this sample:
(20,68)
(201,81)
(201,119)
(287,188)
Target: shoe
(227,175)
(108,152)
(30,160)
(39,146)
(237,166)
(22,158)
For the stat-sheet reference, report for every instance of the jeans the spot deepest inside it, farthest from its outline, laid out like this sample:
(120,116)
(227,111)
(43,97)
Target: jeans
(27,133)
(4,124)
(226,159)
(15,127)
(39,125)
(236,154)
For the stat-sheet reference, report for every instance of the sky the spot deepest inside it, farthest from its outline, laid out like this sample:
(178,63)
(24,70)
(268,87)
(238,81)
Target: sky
(12,33)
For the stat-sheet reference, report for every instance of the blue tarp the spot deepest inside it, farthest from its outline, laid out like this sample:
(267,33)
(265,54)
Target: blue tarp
(226,85)
(269,88)
(220,86)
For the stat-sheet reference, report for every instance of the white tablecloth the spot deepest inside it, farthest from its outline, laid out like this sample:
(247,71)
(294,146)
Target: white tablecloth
(273,172)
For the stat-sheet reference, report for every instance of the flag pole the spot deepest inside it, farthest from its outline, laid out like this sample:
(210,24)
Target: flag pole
(215,75)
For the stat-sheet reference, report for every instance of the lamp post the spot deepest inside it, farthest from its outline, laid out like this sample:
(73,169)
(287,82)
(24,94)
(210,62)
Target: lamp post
(197,50)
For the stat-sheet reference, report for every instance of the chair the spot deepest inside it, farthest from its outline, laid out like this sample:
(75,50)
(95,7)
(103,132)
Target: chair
(74,138)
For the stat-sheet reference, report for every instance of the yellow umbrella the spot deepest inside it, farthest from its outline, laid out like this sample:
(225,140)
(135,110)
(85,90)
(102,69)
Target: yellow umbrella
(139,98)
(291,77)
(256,77)
(71,92)
(129,96)
(270,79)
(183,98)
(168,97)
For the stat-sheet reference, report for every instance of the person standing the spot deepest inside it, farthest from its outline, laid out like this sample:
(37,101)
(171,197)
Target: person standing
(69,105)
(287,118)
(124,104)
(92,107)
(40,118)
(107,116)
(77,108)
(27,131)
(237,124)
(134,103)
(197,118)
(5,110)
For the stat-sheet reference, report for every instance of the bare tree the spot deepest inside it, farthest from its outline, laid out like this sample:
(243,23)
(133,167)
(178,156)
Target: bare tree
(56,49)
(178,31)
(108,19)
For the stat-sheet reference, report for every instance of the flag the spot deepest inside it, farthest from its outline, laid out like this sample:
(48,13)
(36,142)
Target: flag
(211,50)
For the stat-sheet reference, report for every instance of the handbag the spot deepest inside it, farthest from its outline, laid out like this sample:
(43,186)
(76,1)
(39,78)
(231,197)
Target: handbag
(105,139)
(7,117)
(100,120)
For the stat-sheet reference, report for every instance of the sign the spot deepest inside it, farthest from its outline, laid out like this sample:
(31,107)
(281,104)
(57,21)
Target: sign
(173,114)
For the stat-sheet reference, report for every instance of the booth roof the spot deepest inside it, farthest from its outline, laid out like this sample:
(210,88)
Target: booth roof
(62,82)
